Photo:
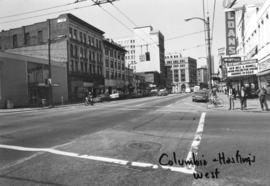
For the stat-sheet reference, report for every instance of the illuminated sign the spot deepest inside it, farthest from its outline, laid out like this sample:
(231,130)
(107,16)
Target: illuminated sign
(244,68)
(230,33)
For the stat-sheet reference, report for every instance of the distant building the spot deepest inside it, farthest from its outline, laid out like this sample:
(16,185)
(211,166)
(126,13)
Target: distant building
(23,81)
(183,71)
(202,76)
(146,54)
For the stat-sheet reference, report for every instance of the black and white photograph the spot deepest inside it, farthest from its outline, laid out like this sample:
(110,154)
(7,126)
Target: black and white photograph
(134,92)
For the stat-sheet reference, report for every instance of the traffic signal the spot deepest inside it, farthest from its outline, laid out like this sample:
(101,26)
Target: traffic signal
(147,56)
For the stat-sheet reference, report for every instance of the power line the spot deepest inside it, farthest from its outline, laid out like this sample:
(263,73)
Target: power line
(131,21)
(61,11)
(185,35)
(34,11)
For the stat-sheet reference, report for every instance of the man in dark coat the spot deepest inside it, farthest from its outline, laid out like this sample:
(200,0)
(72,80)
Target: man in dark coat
(262,97)
(243,97)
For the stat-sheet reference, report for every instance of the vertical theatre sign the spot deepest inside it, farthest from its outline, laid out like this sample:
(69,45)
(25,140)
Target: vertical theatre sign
(230,33)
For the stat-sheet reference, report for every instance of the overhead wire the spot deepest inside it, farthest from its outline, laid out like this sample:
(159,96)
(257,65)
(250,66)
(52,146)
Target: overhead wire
(34,11)
(50,13)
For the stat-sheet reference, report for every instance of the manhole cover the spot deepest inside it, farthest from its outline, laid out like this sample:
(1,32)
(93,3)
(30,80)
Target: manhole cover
(144,145)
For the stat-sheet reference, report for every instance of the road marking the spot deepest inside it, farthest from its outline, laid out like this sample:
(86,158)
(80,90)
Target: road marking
(196,141)
(98,158)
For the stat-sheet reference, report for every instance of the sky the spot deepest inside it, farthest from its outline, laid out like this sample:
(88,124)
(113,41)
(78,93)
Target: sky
(164,15)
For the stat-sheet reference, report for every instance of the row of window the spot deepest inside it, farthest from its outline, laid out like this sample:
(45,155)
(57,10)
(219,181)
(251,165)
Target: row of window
(115,75)
(114,53)
(84,38)
(114,65)
(84,67)
(26,39)
(82,52)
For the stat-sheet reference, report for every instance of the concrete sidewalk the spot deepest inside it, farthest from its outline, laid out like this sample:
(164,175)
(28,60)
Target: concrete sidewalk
(253,105)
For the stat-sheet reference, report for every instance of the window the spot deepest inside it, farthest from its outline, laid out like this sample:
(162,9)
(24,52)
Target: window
(106,51)
(107,63)
(107,74)
(84,38)
(176,76)
(111,64)
(81,37)
(0,43)
(183,75)
(76,51)
(72,66)
(97,43)
(27,38)
(71,50)
(81,52)
(70,32)
(40,36)
(15,41)
(75,34)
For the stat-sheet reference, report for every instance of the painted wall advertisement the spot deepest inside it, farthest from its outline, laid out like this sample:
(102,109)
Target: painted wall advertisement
(243,68)
(231,43)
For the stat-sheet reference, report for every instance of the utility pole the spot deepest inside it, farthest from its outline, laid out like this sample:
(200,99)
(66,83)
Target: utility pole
(209,53)
(50,66)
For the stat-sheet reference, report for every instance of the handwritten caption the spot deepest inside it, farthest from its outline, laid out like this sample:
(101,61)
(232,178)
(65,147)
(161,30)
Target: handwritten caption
(221,159)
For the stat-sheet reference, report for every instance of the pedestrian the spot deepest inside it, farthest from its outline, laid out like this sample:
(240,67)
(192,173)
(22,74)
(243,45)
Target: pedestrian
(243,98)
(262,97)
(231,98)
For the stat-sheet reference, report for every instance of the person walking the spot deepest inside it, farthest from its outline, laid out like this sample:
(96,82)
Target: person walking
(262,97)
(231,98)
(243,98)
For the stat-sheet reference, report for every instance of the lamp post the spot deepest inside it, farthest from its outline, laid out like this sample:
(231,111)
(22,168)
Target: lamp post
(207,24)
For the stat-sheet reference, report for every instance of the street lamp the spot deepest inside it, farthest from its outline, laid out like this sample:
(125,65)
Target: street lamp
(207,24)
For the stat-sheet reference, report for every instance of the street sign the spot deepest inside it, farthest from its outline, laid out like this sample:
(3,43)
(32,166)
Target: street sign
(244,68)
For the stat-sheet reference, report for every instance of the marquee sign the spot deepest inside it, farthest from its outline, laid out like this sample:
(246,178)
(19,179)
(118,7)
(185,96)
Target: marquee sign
(230,33)
(244,68)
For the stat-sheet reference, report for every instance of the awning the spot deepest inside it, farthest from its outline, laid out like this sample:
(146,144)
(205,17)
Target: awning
(263,73)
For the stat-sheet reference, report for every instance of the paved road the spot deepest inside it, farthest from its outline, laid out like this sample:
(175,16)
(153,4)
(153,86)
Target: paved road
(134,142)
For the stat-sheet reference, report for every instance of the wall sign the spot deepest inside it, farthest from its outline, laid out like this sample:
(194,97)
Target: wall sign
(231,43)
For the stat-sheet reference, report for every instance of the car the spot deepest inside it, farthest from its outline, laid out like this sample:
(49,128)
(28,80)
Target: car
(200,96)
(114,95)
(162,92)
(188,90)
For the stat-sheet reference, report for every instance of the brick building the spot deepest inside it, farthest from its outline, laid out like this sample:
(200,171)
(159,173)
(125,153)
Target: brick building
(114,67)
(74,43)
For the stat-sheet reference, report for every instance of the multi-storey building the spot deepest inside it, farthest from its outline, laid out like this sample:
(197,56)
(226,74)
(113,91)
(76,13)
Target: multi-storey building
(184,71)
(114,67)
(72,42)
(202,76)
(146,54)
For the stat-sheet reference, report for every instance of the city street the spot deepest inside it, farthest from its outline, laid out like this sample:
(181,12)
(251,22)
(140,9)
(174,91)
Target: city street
(143,141)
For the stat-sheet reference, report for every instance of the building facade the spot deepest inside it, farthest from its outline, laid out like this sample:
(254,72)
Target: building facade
(23,80)
(146,54)
(202,76)
(183,70)
(72,41)
(252,34)
(114,67)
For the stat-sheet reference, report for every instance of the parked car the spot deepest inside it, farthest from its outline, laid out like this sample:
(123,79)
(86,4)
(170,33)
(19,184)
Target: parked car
(162,92)
(115,95)
(188,90)
(200,96)
(154,92)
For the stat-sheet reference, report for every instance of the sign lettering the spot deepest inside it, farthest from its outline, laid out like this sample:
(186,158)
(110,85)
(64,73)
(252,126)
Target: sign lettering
(231,43)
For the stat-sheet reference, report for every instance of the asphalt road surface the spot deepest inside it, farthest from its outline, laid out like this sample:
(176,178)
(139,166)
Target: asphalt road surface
(166,140)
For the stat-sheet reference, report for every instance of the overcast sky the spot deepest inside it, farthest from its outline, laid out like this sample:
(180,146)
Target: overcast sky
(164,15)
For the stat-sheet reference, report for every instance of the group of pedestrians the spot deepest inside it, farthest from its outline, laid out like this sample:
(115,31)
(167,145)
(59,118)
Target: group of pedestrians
(232,93)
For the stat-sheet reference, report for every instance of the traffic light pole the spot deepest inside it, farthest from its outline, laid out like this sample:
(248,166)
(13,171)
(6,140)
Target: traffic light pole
(50,66)
(209,53)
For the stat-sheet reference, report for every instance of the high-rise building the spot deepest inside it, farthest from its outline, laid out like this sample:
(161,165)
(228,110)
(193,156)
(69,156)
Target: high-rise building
(146,53)
(183,71)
